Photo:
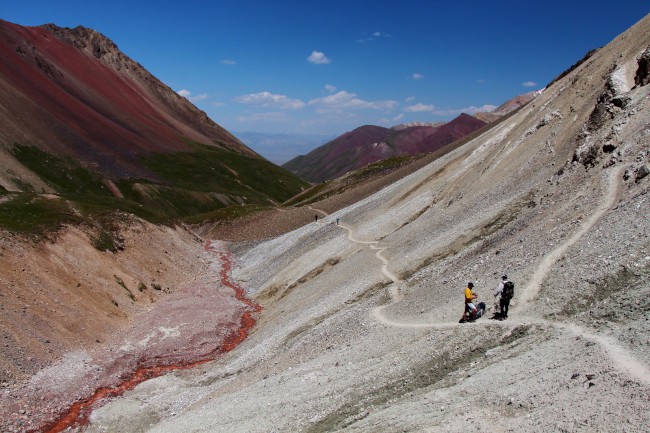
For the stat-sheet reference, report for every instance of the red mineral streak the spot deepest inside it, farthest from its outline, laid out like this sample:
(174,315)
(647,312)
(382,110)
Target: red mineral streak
(79,412)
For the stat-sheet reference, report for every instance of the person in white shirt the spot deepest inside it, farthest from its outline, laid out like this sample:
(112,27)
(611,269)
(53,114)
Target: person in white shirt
(497,296)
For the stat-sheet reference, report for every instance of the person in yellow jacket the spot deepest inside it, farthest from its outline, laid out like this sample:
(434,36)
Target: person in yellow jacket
(470,308)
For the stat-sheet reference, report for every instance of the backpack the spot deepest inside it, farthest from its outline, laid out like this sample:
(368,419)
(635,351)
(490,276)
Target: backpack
(508,291)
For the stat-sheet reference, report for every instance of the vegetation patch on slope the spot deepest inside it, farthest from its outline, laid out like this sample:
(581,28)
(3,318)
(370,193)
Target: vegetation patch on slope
(211,169)
(66,176)
(30,214)
(197,185)
(337,186)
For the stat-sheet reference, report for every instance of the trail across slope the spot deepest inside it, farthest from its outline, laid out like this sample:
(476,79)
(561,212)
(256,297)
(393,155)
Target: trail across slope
(534,285)
(622,358)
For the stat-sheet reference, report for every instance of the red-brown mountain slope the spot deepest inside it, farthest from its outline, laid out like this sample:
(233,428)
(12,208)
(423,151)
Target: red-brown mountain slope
(425,139)
(368,144)
(72,92)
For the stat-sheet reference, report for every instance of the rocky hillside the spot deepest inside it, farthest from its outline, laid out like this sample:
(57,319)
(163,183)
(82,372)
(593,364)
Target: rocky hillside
(79,117)
(359,330)
(360,325)
(367,144)
(73,92)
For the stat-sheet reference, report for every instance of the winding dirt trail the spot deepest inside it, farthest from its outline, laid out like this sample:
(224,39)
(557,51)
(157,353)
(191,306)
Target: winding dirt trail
(622,358)
(534,285)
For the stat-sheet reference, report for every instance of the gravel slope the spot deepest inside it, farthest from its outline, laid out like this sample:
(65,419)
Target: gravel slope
(355,341)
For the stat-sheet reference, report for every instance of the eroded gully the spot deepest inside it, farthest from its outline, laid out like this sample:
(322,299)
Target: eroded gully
(78,414)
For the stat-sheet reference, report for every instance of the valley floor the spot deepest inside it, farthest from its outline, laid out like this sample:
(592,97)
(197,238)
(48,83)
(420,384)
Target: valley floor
(337,353)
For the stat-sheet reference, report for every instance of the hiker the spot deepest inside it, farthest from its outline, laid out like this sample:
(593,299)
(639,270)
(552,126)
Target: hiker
(506,295)
(337,221)
(316,218)
(470,308)
(497,297)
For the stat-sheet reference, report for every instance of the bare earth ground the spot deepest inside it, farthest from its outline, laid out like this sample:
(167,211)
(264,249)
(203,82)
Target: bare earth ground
(360,328)
(360,325)
(75,319)
(275,222)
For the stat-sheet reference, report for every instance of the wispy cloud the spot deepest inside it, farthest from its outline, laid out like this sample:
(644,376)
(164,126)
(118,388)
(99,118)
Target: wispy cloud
(469,110)
(410,99)
(263,117)
(198,98)
(418,108)
(430,108)
(342,101)
(330,88)
(372,37)
(529,84)
(417,76)
(268,99)
(188,95)
(228,62)
(392,121)
(318,58)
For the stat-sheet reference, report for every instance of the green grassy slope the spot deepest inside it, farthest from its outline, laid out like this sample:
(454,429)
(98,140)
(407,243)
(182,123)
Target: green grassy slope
(204,180)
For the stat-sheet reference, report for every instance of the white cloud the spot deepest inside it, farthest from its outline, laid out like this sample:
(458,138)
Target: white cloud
(228,62)
(330,88)
(417,76)
(469,110)
(529,84)
(488,107)
(373,36)
(343,100)
(198,98)
(268,99)
(410,99)
(318,58)
(418,108)
(188,95)
(398,117)
(217,104)
(430,108)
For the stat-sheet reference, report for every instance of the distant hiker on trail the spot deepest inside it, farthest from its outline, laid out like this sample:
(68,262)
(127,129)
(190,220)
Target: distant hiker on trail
(337,221)
(316,218)
(470,308)
(497,297)
(506,295)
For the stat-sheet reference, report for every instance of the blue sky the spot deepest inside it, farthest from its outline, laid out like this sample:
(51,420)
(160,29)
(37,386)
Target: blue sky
(326,67)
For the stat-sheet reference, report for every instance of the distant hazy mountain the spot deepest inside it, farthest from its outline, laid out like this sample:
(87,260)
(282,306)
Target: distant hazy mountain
(508,106)
(367,144)
(411,124)
(280,148)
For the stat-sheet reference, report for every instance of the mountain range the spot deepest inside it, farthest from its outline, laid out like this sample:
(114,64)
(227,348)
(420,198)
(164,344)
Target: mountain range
(360,329)
(367,144)
(337,310)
